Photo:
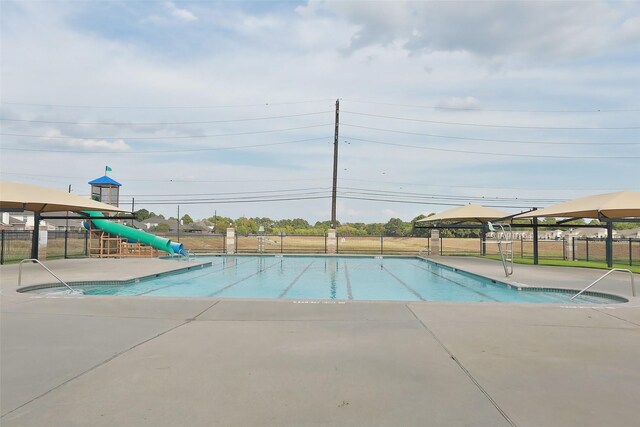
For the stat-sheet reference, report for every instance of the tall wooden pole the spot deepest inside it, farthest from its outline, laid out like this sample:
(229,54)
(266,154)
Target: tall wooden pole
(334,223)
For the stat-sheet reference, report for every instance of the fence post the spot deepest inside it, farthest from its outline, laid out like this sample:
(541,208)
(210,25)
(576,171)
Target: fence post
(573,248)
(86,243)
(281,242)
(66,238)
(521,246)
(2,248)
(435,242)
(630,253)
(231,240)
(587,249)
(331,245)
(381,245)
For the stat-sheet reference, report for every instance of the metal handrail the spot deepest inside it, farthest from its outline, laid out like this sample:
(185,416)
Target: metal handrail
(633,285)
(33,260)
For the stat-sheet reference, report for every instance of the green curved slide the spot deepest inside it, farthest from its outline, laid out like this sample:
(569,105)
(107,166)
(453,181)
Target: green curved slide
(120,230)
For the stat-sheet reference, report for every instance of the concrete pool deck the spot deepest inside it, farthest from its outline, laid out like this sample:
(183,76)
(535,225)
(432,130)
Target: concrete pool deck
(145,361)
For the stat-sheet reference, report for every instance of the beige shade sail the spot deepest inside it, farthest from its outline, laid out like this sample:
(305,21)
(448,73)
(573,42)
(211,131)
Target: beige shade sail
(467,213)
(621,204)
(34,198)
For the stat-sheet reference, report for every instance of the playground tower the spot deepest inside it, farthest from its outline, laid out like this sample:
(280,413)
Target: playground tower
(106,190)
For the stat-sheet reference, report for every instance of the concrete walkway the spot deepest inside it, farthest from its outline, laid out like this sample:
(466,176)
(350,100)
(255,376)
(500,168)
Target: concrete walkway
(142,361)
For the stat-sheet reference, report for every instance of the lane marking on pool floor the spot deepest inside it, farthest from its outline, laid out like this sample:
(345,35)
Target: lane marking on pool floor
(348,277)
(456,283)
(465,370)
(284,292)
(191,278)
(243,279)
(409,288)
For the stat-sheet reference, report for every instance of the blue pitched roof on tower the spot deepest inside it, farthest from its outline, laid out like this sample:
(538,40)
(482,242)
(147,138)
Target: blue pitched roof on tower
(105,180)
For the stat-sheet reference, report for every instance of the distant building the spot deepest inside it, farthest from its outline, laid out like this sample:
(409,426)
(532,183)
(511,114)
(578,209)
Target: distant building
(633,233)
(17,221)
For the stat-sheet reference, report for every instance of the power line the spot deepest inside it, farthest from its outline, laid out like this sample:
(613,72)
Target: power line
(172,180)
(226,201)
(164,137)
(181,150)
(351,192)
(232,192)
(510,141)
(479,187)
(489,126)
(166,107)
(433,203)
(371,181)
(439,107)
(164,123)
(441,196)
(178,198)
(317,197)
(495,154)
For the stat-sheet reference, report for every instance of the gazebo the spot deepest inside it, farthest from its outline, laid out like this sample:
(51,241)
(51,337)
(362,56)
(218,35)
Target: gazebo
(609,207)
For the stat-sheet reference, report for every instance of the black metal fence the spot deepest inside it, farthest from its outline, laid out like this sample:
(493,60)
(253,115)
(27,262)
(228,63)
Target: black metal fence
(198,243)
(625,251)
(314,244)
(16,245)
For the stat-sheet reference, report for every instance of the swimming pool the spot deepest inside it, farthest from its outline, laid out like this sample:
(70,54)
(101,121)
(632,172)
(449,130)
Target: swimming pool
(334,278)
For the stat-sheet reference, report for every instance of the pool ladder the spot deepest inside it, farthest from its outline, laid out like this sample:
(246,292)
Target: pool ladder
(505,245)
(35,261)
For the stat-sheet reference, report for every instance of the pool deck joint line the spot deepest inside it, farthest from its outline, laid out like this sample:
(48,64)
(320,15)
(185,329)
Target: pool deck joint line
(462,367)
(98,365)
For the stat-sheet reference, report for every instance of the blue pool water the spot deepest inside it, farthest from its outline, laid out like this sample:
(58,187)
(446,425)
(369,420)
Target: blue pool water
(333,278)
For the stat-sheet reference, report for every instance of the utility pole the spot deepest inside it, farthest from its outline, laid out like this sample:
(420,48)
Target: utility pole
(334,223)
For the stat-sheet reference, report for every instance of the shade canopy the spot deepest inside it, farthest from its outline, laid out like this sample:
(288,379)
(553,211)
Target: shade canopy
(42,199)
(621,204)
(467,213)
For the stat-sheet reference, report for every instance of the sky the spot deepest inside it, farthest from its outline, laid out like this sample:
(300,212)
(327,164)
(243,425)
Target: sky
(230,107)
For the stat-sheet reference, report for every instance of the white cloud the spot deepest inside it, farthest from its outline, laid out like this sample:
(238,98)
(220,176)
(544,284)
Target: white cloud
(56,137)
(172,15)
(630,30)
(490,28)
(183,15)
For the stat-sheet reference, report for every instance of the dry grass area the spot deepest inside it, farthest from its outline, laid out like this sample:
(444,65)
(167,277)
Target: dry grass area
(378,245)
(201,243)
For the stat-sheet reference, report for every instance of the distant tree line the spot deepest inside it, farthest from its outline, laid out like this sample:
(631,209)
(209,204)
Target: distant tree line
(394,227)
